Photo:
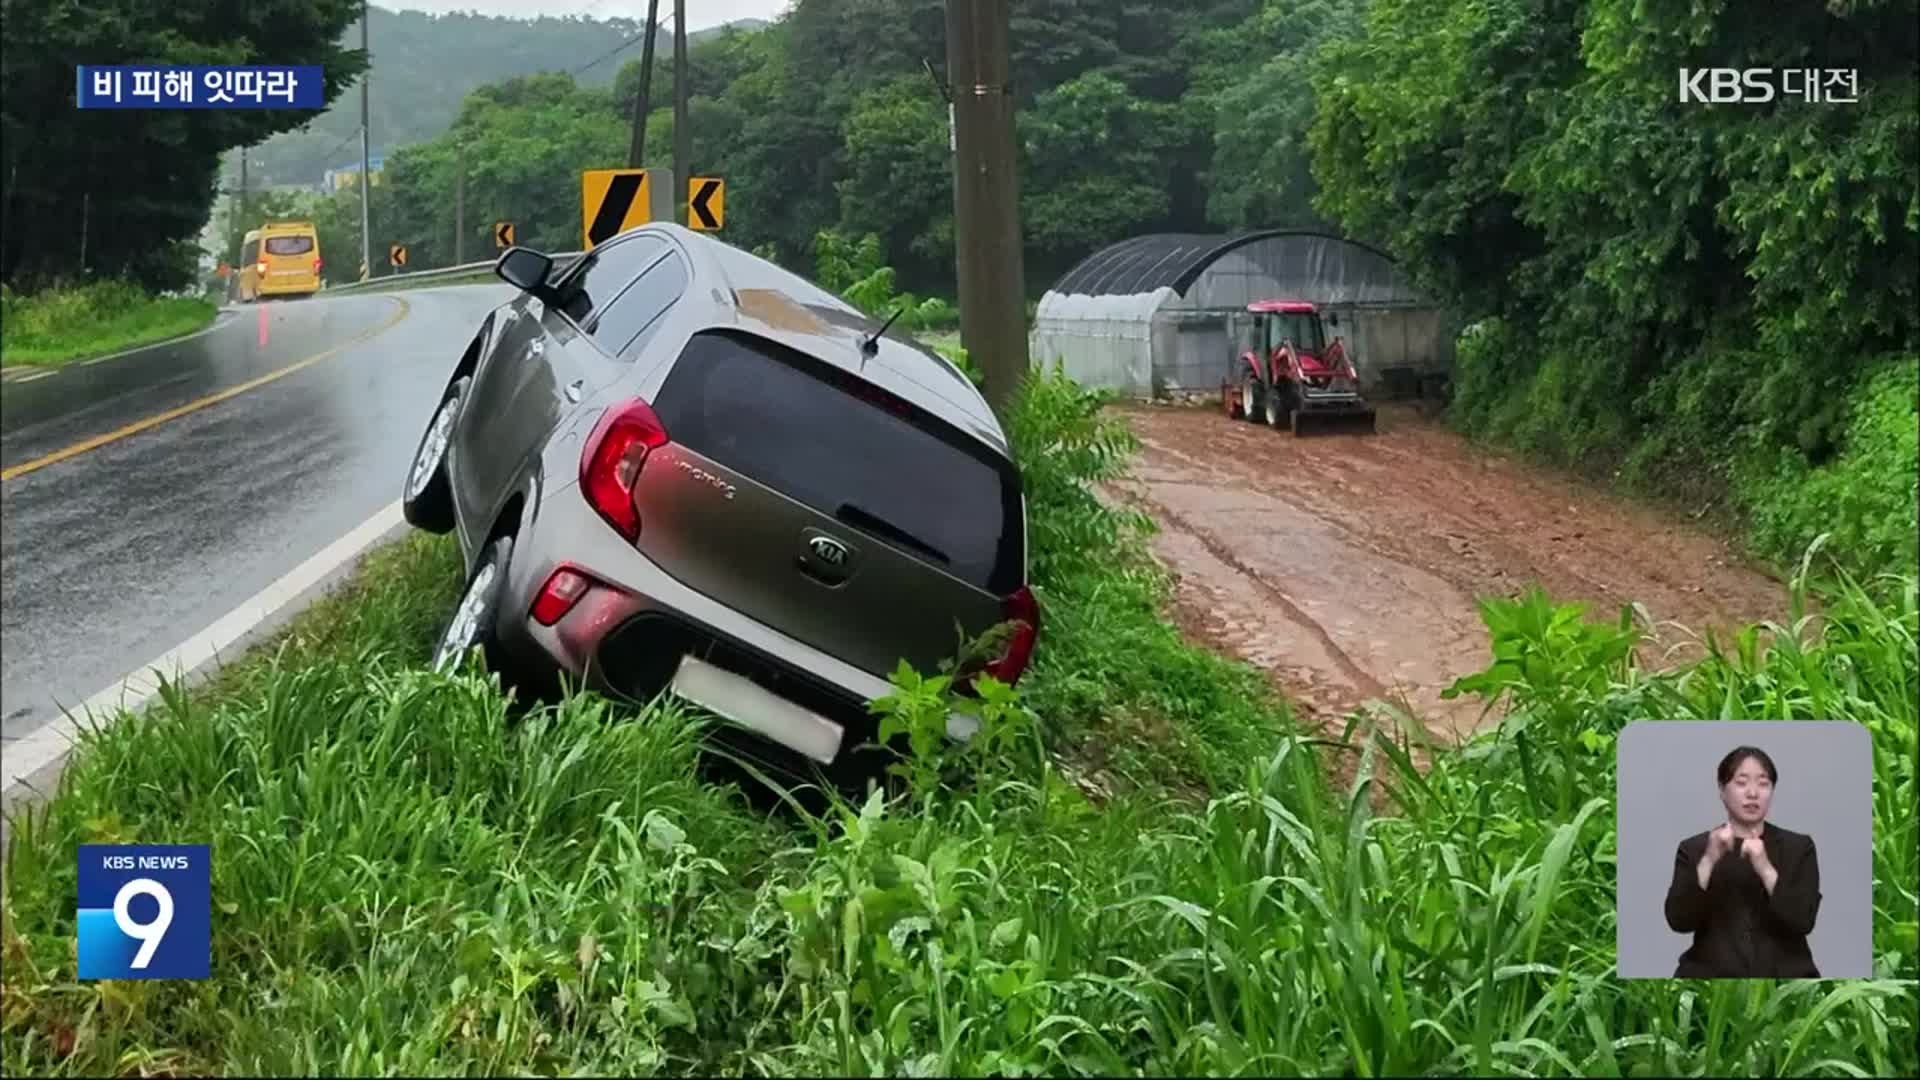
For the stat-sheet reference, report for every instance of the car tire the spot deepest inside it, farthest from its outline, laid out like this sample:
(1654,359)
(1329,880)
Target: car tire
(427,501)
(475,618)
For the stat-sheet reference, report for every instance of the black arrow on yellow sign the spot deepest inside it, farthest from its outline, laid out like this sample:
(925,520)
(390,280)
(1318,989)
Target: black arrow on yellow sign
(706,202)
(503,234)
(397,254)
(624,188)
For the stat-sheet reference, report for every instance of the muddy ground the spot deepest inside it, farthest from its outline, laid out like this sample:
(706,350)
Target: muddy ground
(1348,565)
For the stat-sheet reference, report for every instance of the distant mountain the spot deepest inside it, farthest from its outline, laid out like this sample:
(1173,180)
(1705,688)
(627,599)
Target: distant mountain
(738,24)
(424,65)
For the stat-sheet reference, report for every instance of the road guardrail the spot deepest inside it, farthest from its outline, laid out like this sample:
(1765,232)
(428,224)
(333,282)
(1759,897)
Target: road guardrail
(561,260)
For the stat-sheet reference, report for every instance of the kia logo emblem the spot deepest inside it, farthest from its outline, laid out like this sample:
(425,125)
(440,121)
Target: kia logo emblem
(828,550)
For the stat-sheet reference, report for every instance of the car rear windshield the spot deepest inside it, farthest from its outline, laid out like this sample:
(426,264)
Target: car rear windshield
(289,245)
(834,442)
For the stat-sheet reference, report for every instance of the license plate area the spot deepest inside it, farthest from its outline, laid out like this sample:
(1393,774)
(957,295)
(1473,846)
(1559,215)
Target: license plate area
(745,703)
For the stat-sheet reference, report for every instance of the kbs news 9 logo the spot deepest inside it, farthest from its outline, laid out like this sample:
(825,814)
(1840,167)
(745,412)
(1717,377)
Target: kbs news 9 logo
(145,911)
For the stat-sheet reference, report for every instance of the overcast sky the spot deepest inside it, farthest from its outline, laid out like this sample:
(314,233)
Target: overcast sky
(700,13)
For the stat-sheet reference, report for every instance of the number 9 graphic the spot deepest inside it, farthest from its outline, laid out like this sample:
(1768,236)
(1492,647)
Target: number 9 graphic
(148,934)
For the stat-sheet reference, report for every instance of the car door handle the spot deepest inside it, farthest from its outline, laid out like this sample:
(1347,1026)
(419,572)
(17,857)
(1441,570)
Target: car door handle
(573,390)
(538,347)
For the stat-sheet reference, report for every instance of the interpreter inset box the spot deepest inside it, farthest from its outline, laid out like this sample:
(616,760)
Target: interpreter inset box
(1745,850)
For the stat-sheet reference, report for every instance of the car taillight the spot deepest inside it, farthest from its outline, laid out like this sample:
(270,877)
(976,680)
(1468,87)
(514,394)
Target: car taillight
(1023,610)
(316,264)
(557,597)
(610,462)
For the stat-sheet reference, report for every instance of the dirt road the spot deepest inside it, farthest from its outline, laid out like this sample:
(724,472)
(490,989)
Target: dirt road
(1348,565)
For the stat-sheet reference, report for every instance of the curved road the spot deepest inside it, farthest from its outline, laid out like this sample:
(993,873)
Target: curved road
(145,496)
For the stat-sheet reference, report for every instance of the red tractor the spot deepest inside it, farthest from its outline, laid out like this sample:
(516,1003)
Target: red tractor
(1291,377)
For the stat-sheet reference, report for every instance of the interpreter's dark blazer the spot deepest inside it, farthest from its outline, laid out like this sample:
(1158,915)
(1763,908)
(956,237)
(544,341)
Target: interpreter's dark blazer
(1739,931)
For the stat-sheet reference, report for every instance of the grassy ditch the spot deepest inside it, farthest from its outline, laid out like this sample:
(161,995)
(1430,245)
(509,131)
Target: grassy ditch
(63,324)
(405,881)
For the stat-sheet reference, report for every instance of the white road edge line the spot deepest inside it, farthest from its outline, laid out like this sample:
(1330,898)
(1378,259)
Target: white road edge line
(219,320)
(51,741)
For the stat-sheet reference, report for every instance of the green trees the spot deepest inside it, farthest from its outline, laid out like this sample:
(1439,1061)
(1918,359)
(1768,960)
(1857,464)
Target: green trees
(132,188)
(1692,292)
(898,179)
(1069,207)
(1255,84)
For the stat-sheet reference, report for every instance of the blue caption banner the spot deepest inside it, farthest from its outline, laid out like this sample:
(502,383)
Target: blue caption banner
(145,911)
(176,86)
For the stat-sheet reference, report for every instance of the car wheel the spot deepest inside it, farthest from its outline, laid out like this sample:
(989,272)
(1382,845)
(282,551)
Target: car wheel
(427,502)
(473,620)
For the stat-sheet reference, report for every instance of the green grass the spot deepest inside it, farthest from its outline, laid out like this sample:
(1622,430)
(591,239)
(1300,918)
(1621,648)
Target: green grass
(67,323)
(409,881)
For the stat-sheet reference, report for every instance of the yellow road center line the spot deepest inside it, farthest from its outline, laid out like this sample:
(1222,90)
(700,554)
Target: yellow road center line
(194,406)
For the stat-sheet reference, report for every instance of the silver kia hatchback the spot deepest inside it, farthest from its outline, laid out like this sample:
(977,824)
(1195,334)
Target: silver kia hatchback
(673,466)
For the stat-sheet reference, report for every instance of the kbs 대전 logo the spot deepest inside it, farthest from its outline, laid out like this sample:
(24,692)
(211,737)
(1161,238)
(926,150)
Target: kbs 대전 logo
(1757,86)
(145,911)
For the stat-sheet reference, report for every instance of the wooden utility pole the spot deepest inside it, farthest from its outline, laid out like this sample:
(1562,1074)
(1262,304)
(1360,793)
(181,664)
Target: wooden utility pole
(366,146)
(986,198)
(637,149)
(682,138)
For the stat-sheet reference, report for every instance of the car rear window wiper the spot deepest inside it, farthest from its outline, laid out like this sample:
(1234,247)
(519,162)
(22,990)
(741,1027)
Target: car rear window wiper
(862,519)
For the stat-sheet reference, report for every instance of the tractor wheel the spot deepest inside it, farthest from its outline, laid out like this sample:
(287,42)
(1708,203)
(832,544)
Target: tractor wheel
(1251,399)
(1279,416)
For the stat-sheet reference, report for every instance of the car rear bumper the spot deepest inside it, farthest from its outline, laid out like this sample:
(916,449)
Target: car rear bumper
(627,634)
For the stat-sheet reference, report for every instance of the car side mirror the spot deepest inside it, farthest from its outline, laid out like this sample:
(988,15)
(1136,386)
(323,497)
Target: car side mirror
(523,268)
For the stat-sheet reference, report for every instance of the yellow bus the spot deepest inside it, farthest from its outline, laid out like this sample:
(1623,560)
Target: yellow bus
(280,258)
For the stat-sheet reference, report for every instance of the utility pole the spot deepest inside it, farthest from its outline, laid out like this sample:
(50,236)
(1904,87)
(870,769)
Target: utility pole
(234,232)
(637,149)
(986,197)
(366,149)
(459,202)
(243,188)
(682,138)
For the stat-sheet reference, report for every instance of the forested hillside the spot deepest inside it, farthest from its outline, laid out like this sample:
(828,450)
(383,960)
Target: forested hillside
(424,65)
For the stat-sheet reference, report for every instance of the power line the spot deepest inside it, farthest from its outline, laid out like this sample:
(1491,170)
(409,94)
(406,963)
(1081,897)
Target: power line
(623,46)
(634,40)
(351,135)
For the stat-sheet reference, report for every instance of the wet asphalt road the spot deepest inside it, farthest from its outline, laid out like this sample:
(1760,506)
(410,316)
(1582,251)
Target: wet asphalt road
(117,554)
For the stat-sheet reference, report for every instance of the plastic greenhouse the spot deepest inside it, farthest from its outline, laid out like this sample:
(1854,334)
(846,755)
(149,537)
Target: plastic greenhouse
(1167,311)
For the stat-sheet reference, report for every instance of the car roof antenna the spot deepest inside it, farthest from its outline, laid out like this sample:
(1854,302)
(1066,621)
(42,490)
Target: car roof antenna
(871,346)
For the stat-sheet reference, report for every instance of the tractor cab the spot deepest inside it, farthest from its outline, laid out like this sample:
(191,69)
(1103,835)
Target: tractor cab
(1296,325)
(1290,374)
